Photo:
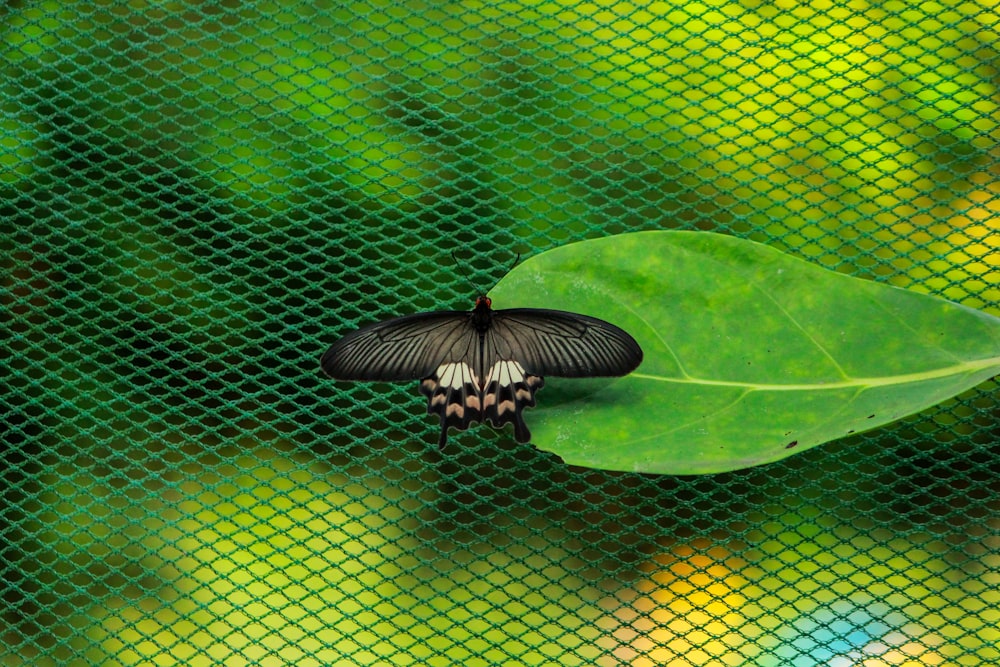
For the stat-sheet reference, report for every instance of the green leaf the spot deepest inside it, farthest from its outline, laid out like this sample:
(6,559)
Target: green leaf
(750,354)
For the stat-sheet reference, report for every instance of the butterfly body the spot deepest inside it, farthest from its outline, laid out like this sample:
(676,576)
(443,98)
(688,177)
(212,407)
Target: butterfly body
(483,365)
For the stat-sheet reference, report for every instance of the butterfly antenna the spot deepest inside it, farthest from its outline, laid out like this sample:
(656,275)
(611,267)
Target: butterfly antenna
(509,269)
(465,273)
(454,257)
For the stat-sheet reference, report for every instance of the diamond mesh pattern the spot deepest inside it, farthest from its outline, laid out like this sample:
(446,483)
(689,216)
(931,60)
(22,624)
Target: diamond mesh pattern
(197,198)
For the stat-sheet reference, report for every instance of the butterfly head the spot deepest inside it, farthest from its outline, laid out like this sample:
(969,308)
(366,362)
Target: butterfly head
(482,315)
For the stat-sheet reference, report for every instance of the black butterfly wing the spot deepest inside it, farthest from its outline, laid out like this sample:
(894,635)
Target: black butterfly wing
(554,342)
(404,348)
(524,344)
(454,394)
(507,391)
(441,349)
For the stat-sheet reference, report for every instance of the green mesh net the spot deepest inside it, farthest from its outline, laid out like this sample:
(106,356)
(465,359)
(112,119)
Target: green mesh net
(199,197)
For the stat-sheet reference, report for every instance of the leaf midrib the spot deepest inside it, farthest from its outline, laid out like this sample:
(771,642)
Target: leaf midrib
(965,368)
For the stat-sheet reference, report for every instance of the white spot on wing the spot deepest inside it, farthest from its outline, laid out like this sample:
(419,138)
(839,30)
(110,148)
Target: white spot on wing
(455,375)
(506,373)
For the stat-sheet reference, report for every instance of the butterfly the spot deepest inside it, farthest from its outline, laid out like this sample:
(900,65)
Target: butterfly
(484,364)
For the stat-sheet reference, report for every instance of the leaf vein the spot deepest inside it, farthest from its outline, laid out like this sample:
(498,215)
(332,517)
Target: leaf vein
(966,368)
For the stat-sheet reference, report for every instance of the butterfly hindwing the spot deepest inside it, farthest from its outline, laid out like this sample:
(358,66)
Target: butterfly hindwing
(453,393)
(459,396)
(507,390)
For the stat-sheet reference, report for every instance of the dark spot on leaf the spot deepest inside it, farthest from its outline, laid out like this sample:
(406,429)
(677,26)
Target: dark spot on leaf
(871,416)
(791,444)
(850,431)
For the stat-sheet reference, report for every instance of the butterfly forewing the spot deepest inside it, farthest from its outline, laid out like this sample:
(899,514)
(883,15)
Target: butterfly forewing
(483,365)
(554,342)
(405,348)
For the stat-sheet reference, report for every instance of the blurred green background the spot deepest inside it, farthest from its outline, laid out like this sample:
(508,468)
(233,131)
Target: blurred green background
(196,198)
